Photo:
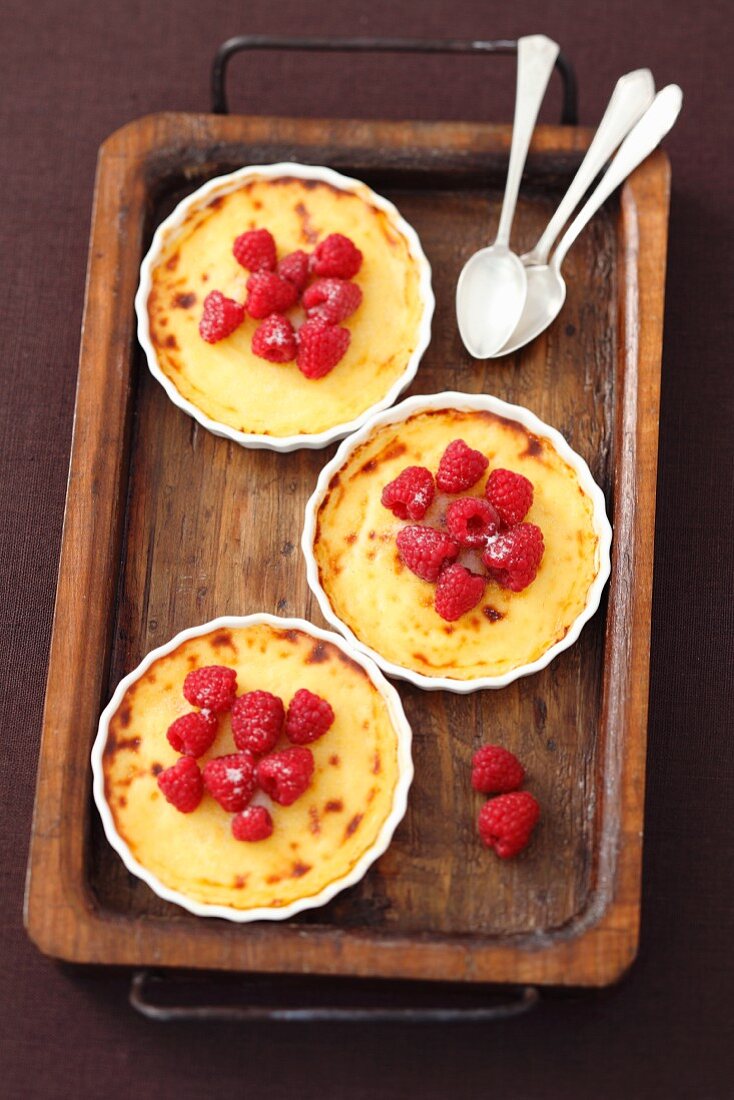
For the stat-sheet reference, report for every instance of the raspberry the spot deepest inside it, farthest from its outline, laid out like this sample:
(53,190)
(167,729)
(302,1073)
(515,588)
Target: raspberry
(275,339)
(294,268)
(254,823)
(506,823)
(332,299)
(460,467)
(255,250)
(320,347)
(284,776)
(424,550)
(515,555)
(495,770)
(182,784)
(308,718)
(336,257)
(267,293)
(220,318)
(457,592)
(257,721)
(410,495)
(511,494)
(211,688)
(231,780)
(193,733)
(471,521)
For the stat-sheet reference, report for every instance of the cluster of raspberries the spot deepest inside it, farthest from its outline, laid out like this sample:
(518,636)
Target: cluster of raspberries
(258,719)
(505,823)
(487,529)
(319,282)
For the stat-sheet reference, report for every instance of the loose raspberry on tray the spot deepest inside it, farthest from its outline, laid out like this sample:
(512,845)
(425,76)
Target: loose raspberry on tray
(294,268)
(425,550)
(220,318)
(213,688)
(308,718)
(336,257)
(460,467)
(458,591)
(514,556)
(511,494)
(332,299)
(506,823)
(231,780)
(254,823)
(193,734)
(410,494)
(275,339)
(267,293)
(257,721)
(320,347)
(471,521)
(284,776)
(182,784)
(495,770)
(255,250)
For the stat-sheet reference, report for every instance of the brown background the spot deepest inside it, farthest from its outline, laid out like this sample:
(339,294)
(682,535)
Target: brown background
(74,72)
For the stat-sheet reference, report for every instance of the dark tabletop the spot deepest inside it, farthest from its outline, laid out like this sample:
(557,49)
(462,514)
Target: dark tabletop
(72,73)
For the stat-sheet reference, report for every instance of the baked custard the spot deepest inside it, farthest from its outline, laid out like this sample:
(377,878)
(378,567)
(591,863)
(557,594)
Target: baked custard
(229,382)
(206,838)
(376,565)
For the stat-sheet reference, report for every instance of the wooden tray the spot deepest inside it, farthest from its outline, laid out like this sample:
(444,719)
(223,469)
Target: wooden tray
(167,526)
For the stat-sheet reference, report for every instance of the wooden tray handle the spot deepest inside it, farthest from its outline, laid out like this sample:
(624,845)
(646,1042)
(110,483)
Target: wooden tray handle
(569,110)
(505,1003)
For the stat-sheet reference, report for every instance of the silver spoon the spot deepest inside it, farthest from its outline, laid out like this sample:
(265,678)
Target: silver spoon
(546,290)
(492,286)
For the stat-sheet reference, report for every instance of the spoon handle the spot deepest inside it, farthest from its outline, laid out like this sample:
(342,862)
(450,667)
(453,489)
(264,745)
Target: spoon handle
(536,56)
(657,120)
(631,97)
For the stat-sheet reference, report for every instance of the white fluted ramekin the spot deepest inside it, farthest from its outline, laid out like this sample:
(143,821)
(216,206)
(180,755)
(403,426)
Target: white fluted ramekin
(400,797)
(222,185)
(462,402)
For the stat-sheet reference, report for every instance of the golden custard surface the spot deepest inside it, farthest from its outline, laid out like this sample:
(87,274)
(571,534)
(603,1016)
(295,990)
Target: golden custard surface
(391,610)
(315,841)
(226,381)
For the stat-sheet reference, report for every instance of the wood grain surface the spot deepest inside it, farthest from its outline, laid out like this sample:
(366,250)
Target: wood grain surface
(167,526)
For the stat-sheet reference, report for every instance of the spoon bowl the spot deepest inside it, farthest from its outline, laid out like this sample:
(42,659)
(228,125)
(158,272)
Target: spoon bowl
(490,298)
(546,293)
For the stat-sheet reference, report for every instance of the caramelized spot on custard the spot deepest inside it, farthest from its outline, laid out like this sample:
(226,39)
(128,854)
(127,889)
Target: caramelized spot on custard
(184,301)
(351,664)
(368,467)
(123,716)
(351,538)
(314,822)
(534,447)
(395,450)
(170,341)
(371,793)
(257,204)
(222,638)
(239,882)
(376,764)
(318,654)
(216,203)
(271,880)
(334,806)
(448,629)
(171,264)
(334,761)
(353,825)
(421,657)
(336,480)
(492,613)
(309,234)
(150,677)
(289,635)
(300,869)
(156,769)
(371,534)
(122,801)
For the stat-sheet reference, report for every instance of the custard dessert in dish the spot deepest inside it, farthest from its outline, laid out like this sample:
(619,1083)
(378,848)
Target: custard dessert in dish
(252,768)
(458,540)
(281,304)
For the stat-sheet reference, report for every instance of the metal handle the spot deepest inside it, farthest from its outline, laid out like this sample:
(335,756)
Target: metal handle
(513,1003)
(631,97)
(569,111)
(639,143)
(536,56)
